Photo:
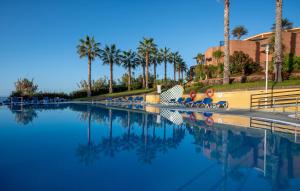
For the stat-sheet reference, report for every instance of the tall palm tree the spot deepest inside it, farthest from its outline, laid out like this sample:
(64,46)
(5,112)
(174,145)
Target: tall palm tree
(199,58)
(129,61)
(278,40)
(285,24)
(142,62)
(226,43)
(146,47)
(184,68)
(239,31)
(165,57)
(89,48)
(155,59)
(174,59)
(110,55)
(179,65)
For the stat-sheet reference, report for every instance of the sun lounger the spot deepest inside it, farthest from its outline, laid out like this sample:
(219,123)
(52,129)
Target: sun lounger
(180,101)
(46,100)
(221,104)
(108,99)
(188,101)
(130,99)
(35,100)
(206,102)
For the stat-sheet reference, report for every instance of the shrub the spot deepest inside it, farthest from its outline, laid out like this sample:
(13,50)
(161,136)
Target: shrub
(78,94)
(290,63)
(25,87)
(241,63)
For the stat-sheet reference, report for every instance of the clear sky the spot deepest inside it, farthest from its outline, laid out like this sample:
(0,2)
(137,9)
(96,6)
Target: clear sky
(38,38)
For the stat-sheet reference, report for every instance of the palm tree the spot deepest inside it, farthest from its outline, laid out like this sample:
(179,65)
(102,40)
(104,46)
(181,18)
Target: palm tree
(239,31)
(89,48)
(129,61)
(174,59)
(110,55)
(226,44)
(278,40)
(199,58)
(181,67)
(165,57)
(184,68)
(285,24)
(146,47)
(218,54)
(155,59)
(179,62)
(140,59)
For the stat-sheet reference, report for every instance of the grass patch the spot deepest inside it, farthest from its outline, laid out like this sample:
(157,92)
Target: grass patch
(246,86)
(115,95)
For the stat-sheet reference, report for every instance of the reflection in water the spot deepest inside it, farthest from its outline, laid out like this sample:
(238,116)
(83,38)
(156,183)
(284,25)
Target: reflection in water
(24,116)
(146,144)
(238,150)
(89,152)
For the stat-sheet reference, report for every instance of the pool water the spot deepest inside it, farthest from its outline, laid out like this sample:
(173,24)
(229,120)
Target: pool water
(89,147)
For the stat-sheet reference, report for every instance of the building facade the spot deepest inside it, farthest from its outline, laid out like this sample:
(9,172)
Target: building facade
(254,46)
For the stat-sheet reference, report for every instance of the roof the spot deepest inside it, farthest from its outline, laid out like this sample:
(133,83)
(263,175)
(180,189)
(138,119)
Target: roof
(262,36)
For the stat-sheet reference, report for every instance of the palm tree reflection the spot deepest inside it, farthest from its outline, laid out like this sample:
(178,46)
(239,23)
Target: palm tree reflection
(89,152)
(235,149)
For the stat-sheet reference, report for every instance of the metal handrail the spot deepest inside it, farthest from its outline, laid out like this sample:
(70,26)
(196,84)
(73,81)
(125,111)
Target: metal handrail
(276,99)
(276,96)
(286,91)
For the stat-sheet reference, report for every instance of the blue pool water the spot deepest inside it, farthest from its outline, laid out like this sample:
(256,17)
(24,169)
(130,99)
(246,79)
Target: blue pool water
(88,147)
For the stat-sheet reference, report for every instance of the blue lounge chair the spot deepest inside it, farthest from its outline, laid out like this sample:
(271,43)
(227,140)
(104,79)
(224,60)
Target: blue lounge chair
(196,103)
(46,100)
(141,99)
(35,100)
(222,104)
(137,99)
(206,102)
(188,101)
(15,101)
(180,101)
(108,99)
(6,102)
(130,99)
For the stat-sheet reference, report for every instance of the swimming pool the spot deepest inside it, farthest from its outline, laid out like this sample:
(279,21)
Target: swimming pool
(91,147)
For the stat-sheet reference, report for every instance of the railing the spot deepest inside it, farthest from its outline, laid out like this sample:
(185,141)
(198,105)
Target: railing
(278,99)
(276,126)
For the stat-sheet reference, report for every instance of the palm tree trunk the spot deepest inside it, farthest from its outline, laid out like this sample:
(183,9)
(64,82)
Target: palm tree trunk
(89,90)
(278,39)
(144,76)
(154,65)
(226,45)
(174,70)
(111,78)
(178,73)
(165,70)
(129,78)
(147,69)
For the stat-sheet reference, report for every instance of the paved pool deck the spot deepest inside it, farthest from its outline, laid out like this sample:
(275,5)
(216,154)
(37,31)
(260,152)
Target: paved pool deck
(281,116)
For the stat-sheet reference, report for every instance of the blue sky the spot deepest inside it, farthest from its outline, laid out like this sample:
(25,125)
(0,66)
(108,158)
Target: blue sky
(38,38)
